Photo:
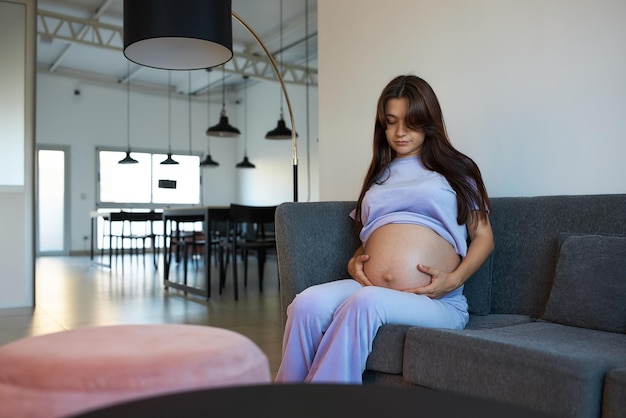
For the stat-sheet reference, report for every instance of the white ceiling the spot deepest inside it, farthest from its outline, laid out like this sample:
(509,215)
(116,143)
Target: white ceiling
(83,39)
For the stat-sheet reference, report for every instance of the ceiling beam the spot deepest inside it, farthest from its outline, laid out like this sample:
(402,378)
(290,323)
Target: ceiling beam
(93,33)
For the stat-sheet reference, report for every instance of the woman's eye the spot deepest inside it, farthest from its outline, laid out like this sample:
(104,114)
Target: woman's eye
(391,122)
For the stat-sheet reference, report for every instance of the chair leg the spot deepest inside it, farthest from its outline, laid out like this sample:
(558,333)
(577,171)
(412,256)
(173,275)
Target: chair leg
(222,267)
(244,254)
(261,266)
(234,261)
(185,251)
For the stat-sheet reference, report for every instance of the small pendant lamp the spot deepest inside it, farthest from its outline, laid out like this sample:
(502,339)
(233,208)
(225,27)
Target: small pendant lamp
(208,161)
(223,128)
(245,163)
(169,160)
(128,159)
(281,131)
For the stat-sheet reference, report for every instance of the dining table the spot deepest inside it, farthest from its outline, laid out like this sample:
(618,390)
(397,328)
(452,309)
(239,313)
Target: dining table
(172,218)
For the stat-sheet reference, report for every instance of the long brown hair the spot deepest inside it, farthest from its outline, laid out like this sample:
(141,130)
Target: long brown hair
(437,153)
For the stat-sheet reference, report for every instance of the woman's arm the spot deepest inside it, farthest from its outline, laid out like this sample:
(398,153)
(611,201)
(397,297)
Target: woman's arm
(481,245)
(355,266)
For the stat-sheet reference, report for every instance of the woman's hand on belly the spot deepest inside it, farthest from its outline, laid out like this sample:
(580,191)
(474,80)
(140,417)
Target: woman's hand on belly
(356,266)
(396,250)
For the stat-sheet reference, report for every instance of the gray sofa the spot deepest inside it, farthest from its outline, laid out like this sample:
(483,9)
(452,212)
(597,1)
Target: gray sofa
(547,328)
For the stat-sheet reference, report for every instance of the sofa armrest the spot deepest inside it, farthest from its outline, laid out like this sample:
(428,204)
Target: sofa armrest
(314,241)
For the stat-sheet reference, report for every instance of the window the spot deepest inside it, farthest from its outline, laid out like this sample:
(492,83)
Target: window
(147,184)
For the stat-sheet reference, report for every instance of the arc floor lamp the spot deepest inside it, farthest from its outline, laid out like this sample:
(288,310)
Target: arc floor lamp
(191,35)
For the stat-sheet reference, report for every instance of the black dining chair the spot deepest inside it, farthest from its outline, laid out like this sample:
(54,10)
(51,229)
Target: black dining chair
(137,228)
(219,236)
(251,230)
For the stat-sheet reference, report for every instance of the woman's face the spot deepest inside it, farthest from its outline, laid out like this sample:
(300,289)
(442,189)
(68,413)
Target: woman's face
(404,141)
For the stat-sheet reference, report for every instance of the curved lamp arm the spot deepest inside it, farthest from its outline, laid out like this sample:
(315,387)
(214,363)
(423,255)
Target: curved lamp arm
(294,142)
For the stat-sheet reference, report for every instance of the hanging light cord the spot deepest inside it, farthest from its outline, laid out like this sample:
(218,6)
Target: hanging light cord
(128,106)
(208,107)
(189,101)
(223,113)
(245,112)
(169,111)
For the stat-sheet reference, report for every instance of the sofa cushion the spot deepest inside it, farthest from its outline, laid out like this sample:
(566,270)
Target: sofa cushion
(589,286)
(496,320)
(614,399)
(552,368)
(388,349)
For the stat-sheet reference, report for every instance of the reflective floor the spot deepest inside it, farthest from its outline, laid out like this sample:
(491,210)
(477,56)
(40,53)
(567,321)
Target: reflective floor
(73,292)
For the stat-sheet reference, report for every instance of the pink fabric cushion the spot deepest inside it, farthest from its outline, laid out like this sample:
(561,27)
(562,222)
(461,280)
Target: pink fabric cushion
(74,371)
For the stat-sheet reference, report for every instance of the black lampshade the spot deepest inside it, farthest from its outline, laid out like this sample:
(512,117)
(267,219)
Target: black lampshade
(245,163)
(169,160)
(128,159)
(280,132)
(223,129)
(178,35)
(209,162)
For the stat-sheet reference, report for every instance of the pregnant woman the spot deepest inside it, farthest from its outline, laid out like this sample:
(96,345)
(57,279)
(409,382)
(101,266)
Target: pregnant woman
(420,203)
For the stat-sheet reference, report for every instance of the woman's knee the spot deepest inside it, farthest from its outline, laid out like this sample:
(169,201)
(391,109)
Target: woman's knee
(366,298)
(312,301)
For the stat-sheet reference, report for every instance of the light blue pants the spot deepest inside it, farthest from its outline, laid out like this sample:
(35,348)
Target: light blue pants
(331,327)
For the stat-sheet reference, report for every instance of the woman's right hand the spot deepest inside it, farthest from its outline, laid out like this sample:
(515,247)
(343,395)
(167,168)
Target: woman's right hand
(355,266)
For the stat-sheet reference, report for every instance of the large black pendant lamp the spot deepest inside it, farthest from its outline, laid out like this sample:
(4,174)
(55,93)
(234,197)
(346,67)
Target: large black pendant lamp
(281,131)
(169,160)
(223,128)
(245,163)
(208,161)
(128,159)
(178,35)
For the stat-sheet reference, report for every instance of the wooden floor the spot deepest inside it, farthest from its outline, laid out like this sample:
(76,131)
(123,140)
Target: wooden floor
(72,292)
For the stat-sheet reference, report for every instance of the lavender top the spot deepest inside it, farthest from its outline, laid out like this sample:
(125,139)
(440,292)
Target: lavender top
(408,193)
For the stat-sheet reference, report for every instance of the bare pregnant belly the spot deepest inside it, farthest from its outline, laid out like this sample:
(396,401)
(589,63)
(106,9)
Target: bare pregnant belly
(395,250)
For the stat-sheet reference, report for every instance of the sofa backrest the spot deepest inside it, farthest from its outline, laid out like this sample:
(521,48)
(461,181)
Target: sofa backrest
(315,240)
(526,232)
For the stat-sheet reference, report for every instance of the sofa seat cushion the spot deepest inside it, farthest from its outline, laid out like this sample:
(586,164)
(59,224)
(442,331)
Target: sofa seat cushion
(388,349)
(549,367)
(614,400)
(496,321)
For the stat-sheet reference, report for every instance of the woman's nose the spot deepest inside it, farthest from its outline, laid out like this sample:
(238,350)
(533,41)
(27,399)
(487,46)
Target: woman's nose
(401,129)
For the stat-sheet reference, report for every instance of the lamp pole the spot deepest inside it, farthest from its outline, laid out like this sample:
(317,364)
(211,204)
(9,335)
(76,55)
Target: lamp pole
(294,141)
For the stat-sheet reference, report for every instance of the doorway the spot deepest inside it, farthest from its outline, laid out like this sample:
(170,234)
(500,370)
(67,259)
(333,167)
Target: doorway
(52,201)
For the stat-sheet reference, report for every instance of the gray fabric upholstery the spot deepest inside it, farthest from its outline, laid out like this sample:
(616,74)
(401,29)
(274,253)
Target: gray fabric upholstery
(477,290)
(314,242)
(388,349)
(589,288)
(526,231)
(496,321)
(614,401)
(534,365)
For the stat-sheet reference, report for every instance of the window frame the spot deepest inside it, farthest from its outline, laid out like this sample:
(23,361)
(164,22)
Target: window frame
(143,205)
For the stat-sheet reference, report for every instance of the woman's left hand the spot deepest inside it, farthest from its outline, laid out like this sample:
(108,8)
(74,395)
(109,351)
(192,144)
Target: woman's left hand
(481,245)
(441,283)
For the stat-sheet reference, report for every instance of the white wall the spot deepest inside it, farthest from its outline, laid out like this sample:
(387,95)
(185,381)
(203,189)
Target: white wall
(97,118)
(271,182)
(17,258)
(533,90)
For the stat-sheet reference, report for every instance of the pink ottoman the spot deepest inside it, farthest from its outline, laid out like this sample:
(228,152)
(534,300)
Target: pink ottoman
(69,372)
